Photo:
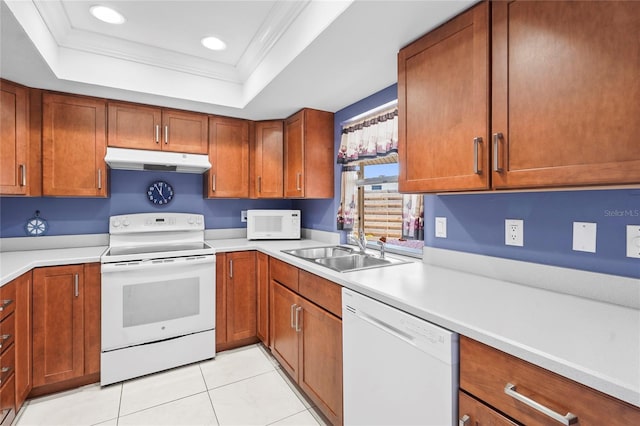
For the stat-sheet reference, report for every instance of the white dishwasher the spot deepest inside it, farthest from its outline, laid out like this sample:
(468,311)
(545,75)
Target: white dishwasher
(398,369)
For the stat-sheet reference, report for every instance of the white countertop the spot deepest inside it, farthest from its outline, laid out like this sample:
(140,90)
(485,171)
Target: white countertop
(592,342)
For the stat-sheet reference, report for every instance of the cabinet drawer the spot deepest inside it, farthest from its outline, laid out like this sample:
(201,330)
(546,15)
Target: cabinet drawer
(324,293)
(7,332)
(284,273)
(7,365)
(7,401)
(474,413)
(485,372)
(7,300)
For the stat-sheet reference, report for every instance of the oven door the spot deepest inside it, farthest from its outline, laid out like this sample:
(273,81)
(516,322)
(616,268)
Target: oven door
(157,299)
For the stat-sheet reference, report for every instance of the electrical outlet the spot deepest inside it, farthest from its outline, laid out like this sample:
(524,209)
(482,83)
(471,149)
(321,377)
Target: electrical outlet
(441,227)
(584,236)
(514,232)
(633,241)
(243,216)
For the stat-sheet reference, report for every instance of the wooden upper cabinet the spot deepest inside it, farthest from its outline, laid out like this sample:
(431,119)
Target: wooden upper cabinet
(229,157)
(145,127)
(309,155)
(73,146)
(566,93)
(266,160)
(20,131)
(443,105)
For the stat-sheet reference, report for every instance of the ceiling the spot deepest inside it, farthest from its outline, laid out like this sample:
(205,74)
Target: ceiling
(281,55)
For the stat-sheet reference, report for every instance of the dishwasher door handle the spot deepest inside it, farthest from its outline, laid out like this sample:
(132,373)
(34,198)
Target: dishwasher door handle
(387,327)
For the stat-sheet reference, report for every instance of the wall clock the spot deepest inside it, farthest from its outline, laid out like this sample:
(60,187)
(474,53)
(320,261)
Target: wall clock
(36,226)
(160,193)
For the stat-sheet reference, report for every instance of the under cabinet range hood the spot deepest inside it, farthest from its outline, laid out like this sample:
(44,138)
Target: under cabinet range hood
(139,159)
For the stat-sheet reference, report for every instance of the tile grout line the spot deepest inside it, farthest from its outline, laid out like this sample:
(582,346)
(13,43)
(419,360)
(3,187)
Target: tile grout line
(209,394)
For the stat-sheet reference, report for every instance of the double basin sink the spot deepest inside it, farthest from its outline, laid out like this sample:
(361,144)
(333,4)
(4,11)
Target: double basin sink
(341,258)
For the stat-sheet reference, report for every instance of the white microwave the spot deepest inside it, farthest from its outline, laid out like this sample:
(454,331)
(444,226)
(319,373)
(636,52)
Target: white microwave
(273,224)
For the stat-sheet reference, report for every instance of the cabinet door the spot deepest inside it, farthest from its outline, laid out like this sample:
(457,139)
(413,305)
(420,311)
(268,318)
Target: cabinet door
(443,104)
(474,413)
(262,315)
(241,295)
(14,139)
(58,328)
(23,341)
(184,132)
(73,146)
(267,160)
(294,156)
(565,93)
(229,157)
(320,349)
(134,126)
(284,337)
(221,300)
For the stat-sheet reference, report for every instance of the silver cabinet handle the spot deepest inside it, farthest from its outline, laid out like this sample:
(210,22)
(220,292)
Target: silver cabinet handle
(464,420)
(496,152)
(230,268)
(5,304)
(23,175)
(476,167)
(76,287)
(259,184)
(4,373)
(4,338)
(157,133)
(99,178)
(298,310)
(293,308)
(166,135)
(213,182)
(567,419)
(298,181)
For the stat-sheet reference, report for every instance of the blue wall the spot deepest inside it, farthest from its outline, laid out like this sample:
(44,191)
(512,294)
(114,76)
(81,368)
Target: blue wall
(128,195)
(475,222)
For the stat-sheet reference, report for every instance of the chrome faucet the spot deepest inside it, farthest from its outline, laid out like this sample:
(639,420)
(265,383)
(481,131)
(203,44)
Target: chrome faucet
(361,240)
(383,242)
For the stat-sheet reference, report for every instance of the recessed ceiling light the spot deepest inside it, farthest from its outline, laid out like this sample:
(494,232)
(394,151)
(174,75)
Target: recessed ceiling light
(213,43)
(106,14)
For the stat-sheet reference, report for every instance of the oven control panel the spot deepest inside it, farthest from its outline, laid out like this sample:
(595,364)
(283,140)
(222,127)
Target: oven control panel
(153,222)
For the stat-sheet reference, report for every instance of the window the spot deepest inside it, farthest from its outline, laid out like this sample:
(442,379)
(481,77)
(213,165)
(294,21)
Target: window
(370,198)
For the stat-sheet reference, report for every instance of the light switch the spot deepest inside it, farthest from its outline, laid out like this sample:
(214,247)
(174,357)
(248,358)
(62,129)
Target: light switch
(633,241)
(441,227)
(584,236)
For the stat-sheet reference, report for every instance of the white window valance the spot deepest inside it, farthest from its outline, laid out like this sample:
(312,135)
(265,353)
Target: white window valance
(371,137)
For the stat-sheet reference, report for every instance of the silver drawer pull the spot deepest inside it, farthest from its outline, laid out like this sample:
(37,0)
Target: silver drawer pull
(464,420)
(157,133)
(298,310)
(496,152)
(291,315)
(567,419)
(5,304)
(23,175)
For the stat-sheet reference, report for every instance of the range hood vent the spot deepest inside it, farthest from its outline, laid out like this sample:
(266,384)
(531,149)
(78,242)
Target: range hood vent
(139,159)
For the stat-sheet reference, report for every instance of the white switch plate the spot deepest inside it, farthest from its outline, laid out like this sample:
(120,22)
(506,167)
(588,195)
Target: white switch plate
(514,232)
(441,227)
(243,215)
(584,236)
(633,241)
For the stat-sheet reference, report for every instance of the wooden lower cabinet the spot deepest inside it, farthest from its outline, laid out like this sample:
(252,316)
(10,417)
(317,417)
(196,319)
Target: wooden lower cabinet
(66,327)
(24,336)
(7,353)
(236,304)
(475,413)
(485,372)
(307,341)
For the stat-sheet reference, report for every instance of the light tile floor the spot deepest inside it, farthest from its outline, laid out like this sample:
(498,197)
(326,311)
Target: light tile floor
(244,386)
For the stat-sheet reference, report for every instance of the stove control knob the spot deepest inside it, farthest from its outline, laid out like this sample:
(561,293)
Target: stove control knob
(115,223)
(126,222)
(191,220)
(199,220)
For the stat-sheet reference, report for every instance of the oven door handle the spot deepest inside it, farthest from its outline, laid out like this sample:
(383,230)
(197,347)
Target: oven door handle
(157,263)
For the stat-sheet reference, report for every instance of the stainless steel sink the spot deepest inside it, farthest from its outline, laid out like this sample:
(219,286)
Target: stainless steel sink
(320,252)
(342,259)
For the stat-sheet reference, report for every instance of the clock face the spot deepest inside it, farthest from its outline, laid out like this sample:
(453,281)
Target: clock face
(160,193)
